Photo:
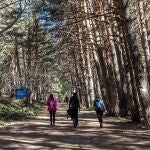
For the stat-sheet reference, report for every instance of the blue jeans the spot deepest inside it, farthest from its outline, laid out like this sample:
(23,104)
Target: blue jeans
(99,115)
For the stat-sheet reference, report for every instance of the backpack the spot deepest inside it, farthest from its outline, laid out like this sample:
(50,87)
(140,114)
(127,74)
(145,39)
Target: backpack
(52,104)
(99,105)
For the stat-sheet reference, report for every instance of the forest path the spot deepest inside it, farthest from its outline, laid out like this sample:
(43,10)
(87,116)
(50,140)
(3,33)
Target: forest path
(36,134)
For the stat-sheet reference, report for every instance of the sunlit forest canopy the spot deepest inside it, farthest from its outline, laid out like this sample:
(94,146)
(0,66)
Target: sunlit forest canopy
(90,47)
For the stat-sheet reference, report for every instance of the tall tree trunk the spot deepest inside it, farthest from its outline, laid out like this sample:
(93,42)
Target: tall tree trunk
(90,76)
(140,76)
(134,108)
(144,37)
(17,61)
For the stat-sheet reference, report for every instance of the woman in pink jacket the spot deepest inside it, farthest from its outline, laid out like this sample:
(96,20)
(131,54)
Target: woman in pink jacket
(52,104)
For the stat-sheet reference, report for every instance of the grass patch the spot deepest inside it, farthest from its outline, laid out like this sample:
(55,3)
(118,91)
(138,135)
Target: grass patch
(2,123)
(16,111)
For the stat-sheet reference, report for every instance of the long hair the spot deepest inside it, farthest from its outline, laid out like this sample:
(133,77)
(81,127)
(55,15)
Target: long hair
(51,96)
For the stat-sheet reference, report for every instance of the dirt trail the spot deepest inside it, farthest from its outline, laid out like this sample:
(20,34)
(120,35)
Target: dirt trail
(38,135)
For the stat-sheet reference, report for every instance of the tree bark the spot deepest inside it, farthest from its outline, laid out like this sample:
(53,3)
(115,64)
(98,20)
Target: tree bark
(140,76)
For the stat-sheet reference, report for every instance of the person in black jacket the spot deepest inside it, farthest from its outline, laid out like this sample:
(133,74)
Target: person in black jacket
(74,106)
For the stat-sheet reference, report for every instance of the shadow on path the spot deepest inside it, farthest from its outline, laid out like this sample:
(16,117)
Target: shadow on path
(38,134)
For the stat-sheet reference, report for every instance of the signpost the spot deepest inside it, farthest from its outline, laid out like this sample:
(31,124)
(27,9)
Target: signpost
(21,93)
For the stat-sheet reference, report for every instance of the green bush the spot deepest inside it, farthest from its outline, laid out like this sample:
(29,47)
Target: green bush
(16,111)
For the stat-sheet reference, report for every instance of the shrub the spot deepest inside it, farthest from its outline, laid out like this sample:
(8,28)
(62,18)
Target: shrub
(16,111)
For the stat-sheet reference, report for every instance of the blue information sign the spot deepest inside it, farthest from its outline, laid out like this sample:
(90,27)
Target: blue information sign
(21,93)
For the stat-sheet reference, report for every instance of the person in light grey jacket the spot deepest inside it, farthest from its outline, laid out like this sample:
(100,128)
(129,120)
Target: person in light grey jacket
(100,108)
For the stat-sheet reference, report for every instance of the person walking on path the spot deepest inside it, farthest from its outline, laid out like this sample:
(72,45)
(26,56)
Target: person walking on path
(52,104)
(100,108)
(74,107)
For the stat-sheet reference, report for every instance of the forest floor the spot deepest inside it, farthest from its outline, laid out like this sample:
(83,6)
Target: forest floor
(37,134)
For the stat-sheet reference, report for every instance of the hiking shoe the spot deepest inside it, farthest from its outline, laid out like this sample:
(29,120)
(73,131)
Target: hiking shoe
(74,123)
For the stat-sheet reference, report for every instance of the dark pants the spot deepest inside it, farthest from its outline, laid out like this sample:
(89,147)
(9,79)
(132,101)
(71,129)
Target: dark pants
(52,117)
(100,116)
(74,116)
